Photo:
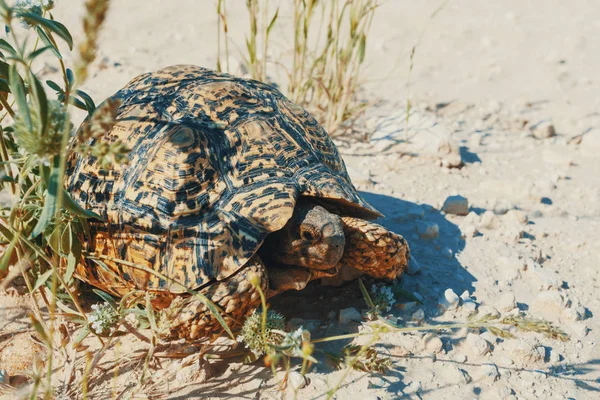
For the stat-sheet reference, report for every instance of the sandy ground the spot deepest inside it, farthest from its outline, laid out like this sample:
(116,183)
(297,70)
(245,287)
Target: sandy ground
(489,78)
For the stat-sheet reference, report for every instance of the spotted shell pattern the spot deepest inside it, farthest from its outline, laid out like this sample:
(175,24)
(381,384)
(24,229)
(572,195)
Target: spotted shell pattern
(216,164)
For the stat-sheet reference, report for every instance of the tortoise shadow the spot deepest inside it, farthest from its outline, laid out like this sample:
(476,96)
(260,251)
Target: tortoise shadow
(440,268)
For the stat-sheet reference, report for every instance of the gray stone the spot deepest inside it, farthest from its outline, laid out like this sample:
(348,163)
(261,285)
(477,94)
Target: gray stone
(449,301)
(418,316)
(432,343)
(507,302)
(349,314)
(427,230)
(457,205)
(297,380)
(476,345)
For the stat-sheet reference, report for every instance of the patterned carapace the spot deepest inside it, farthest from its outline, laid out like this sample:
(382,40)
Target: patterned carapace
(216,164)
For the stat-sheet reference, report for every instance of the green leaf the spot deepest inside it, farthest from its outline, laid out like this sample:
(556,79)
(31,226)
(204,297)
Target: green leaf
(39,328)
(81,334)
(4,45)
(42,279)
(71,264)
(70,77)
(106,297)
(6,178)
(362,48)
(44,37)
(18,90)
(49,25)
(70,205)
(90,105)
(8,253)
(42,101)
(402,294)
(50,202)
(36,53)
(365,294)
(272,22)
(53,85)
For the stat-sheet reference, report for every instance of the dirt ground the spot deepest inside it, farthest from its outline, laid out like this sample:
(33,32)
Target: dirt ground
(509,89)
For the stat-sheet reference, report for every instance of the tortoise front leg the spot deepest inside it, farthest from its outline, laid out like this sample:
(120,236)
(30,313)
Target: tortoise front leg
(372,249)
(189,318)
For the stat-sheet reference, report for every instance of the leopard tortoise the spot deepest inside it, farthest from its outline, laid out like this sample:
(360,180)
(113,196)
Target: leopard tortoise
(227,179)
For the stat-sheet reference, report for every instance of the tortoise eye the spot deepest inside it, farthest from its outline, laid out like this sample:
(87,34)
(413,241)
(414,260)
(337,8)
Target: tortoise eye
(307,234)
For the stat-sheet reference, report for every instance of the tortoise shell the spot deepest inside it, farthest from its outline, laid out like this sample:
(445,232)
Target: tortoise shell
(216,164)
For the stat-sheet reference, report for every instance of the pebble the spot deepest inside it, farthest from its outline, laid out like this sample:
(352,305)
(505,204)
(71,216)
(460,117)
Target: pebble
(432,343)
(449,301)
(447,253)
(549,305)
(413,387)
(579,330)
(544,278)
(543,130)
(457,205)
(468,231)
(457,376)
(413,266)
(449,154)
(349,314)
(488,310)
(486,372)
(476,345)
(427,230)
(507,302)
(489,220)
(297,380)
(418,316)
(525,352)
(407,307)
(192,373)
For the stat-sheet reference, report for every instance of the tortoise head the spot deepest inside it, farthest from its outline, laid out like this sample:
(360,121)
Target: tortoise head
(312,238)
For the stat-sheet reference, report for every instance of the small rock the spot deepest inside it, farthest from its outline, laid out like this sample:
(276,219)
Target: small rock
(418,316)
(476,345)
(449,154)
(192,373)
(543,130)
(459,357)
(449,301)
(487,373)
(349,314)
(579,330)
(432,343)
(517,216)
(466,296)
(427,230)
(488,310)
(297,381)
(456,205)
(489,220)
(525,352)
(413,266)
(507,302)
(412,388)
(457,376)
(468,231)
(418,296)
(504,393)
(545,279)
(447,253)
(407,307)
(469,306)
(549,305)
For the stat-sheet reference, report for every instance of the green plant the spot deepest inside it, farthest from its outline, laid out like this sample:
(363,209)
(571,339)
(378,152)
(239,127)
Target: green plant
(325,72)
(41,230)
